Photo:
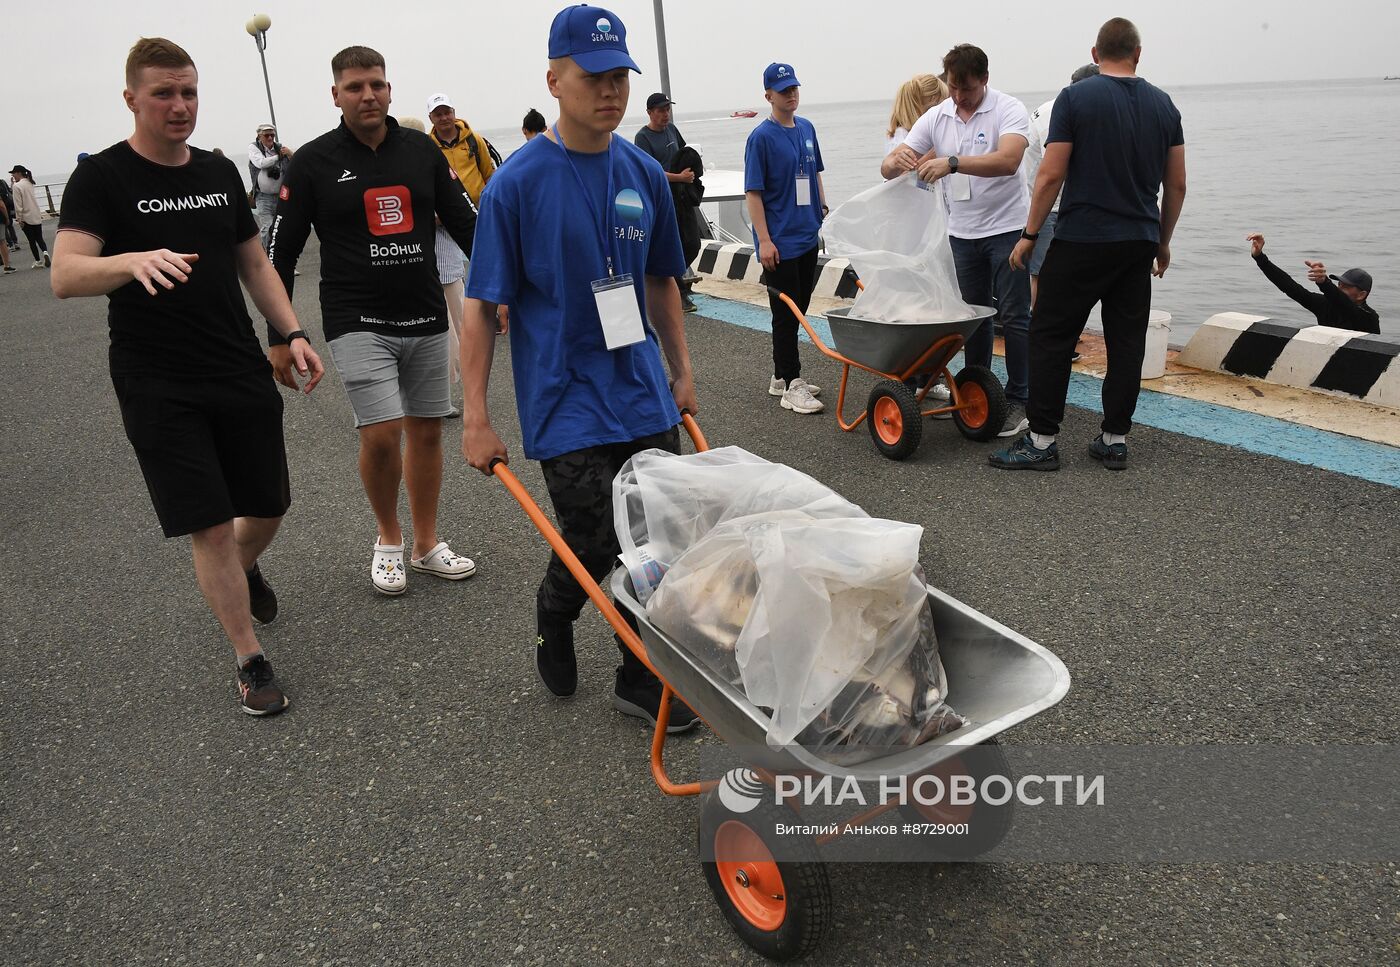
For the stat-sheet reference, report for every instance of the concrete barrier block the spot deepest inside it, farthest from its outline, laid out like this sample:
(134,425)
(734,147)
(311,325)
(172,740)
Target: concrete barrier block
(1209,345)
(1341,361)
(1306,353)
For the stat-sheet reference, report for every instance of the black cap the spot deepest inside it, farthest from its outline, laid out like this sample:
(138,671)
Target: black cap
(1357,277)
(658,100)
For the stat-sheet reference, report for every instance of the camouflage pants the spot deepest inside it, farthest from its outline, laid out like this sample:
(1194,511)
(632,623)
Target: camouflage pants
(580,486)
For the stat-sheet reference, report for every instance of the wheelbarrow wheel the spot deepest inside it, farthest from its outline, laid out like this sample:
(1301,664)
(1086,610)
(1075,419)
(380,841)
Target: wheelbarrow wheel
(987,823)
(983,411)
(773,890)
(896,425)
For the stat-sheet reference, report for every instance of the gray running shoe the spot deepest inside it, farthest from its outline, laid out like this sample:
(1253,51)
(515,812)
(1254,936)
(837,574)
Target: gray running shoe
(1016,422)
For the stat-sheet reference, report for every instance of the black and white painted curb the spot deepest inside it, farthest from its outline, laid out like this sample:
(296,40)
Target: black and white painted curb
(835,278)
(1356,364)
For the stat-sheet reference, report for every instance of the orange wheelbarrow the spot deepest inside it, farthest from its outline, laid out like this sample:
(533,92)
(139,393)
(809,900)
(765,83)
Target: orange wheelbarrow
(898,352)
(775,891)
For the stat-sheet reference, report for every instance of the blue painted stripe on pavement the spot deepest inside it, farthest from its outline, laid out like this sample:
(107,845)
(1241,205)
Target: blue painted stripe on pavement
(1206,421)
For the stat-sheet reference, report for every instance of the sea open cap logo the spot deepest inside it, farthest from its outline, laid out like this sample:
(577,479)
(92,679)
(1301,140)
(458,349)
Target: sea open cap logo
(604,25)
(741,790)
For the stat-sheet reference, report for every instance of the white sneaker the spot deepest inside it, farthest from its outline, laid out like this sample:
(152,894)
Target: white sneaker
(386,569)
(938,392)
(777,387)
(37,265)
(47,260)
(799,398)
(444,563)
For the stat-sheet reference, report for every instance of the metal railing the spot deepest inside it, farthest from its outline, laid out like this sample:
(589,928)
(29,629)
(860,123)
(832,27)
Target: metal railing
(49,195)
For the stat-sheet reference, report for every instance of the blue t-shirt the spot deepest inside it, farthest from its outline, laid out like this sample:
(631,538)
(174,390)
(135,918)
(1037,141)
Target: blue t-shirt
(774,158)
(539,246)
(1121,129)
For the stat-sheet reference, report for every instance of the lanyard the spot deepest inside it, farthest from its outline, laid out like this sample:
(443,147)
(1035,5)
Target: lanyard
(795,136)
(605,224)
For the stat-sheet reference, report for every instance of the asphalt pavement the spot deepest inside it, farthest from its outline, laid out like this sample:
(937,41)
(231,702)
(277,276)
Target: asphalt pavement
(424,800)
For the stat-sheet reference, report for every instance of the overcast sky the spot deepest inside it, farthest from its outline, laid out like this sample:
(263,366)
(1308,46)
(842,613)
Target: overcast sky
(64,60)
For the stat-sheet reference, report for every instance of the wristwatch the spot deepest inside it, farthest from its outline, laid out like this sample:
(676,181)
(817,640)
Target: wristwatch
(299,334)
(953,163)
(1029,236)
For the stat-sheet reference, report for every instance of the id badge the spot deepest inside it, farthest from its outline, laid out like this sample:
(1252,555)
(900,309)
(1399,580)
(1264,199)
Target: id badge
(960,187)
(616,299)
(804,190)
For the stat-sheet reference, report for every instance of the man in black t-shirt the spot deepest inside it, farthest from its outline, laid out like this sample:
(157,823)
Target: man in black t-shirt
(662,140)
(1115,141)
(164,231)
(371,190)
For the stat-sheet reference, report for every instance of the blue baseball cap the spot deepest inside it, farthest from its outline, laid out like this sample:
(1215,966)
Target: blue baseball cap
(779,77)
(595,38)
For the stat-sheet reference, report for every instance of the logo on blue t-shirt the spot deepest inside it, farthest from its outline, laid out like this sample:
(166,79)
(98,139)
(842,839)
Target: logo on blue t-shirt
(629,205)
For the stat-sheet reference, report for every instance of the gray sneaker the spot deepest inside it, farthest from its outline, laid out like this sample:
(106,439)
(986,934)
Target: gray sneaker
(1016,422)
(799,398)
(777,387)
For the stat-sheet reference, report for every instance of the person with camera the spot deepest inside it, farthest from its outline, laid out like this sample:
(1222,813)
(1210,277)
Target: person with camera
(267,163)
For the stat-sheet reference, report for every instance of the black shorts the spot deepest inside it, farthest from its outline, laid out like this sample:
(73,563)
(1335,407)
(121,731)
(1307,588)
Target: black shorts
(210,449)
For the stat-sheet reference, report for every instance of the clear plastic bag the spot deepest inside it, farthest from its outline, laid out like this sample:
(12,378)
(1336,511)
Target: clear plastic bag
(816,610)
(896,236)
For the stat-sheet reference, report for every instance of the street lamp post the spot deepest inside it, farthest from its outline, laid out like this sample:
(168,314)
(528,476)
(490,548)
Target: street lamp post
(257,28)
(660,15)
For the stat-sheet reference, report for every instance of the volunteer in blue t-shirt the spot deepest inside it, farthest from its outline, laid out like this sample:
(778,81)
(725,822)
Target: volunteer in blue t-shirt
(786,203)
(577,235)
(1115,142)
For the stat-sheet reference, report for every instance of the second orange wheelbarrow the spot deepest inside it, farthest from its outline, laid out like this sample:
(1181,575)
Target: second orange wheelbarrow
(903,352)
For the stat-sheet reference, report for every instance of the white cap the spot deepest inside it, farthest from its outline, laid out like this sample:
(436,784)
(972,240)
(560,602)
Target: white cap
(437,101)
(266,127)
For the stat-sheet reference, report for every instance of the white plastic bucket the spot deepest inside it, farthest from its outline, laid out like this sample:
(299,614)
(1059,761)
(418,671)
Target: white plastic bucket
(1154,358)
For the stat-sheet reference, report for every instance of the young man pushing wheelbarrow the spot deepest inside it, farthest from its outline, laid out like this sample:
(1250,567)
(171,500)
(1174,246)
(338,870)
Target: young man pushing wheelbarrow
(592,308)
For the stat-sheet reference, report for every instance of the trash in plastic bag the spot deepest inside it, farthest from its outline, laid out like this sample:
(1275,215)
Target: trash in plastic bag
(816,610)
(896,236)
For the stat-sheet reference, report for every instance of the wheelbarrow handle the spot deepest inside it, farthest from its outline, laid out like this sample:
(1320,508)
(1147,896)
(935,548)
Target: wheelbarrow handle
(693,429)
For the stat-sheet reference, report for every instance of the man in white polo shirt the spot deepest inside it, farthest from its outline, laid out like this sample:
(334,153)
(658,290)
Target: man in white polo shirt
(974,143)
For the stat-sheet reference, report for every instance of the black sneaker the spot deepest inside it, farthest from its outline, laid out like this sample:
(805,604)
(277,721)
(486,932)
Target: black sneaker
(1025,455)
(554,653)
(688,305)
(642,698)
(262,600)
(1114,456)
(257,688)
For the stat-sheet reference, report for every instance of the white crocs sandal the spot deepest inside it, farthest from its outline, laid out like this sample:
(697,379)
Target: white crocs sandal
(442,562)
(386,570)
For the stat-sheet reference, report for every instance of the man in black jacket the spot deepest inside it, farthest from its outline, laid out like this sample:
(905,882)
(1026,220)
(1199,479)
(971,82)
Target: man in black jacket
(371,190)
(1342,306)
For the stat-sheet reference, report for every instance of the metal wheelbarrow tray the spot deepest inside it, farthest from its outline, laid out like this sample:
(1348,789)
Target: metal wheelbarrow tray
(996,679)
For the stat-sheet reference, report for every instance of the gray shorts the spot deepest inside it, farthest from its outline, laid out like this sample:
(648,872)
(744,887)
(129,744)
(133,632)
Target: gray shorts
(389,377)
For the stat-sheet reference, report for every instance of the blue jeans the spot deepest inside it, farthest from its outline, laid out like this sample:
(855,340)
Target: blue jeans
(267,208)
(984,272)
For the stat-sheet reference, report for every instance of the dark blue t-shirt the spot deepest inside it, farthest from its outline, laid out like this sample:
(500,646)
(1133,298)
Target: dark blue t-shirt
(539,246)
(774,158)
(1121,129)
